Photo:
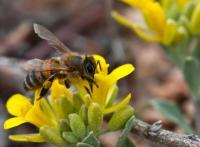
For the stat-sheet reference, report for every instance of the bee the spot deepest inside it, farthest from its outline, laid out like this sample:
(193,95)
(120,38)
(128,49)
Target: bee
(68,65)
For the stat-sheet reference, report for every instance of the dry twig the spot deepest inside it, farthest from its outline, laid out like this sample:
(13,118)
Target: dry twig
(164,137)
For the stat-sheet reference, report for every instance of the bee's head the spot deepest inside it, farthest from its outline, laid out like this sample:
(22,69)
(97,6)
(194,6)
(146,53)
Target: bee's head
(89,66)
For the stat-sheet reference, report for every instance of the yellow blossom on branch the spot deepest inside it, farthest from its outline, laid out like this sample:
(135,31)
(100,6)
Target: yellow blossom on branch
(160,21)
(105,83)
(67,117)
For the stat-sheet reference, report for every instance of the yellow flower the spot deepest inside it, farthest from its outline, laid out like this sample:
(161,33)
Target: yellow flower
(180,4)
(38,114)
(155,24)
(63,109)
(105,83)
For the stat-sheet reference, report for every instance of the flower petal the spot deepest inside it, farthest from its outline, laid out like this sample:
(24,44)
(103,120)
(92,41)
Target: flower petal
(38,117)
(155,17)
(18,105)
(137,3)
(170,32)
(141,30)
(121,72)
(58,90)
(27,138)
(118,106)
(103,64)
(13,122)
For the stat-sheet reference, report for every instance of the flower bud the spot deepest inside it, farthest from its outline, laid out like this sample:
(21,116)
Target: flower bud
(112,95)
(189,9)
(77,125)
(170,32)
(195,21)
(182,34)
(119,118)
(184,21)
(66,107)
(77,101)
(70,137)
(51,135)
(63,125)
(95,117)
(83,114)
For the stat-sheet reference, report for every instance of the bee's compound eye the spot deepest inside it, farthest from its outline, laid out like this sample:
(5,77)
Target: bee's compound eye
(90,69)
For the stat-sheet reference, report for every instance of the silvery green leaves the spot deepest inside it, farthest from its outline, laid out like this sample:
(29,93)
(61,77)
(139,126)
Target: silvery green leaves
(123,140)
(173,113)
(191,71)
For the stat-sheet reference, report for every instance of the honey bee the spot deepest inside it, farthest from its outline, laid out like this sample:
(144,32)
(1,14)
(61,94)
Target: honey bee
(41,73)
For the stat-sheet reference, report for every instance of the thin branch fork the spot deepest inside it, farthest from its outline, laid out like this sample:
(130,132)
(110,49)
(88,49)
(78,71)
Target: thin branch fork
(164,137)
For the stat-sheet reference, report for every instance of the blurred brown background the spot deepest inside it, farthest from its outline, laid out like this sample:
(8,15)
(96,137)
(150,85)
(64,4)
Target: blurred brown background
(86,26)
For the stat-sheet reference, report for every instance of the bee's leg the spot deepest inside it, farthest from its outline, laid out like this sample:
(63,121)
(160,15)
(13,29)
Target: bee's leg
(98,63)
(46,85)
(91,86)
(95,84)
(88,91)
(67,83)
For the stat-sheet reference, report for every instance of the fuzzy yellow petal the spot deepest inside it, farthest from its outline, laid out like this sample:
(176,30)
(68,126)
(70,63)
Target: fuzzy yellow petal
(58,90)
(155,17)
(99,93)
(27,138)
(38,117)
(18,105)
(137,3)
(118,106)
(141,30)
(121,72)
(13,122)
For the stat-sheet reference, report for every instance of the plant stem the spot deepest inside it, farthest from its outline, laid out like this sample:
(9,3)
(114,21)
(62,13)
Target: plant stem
(164,137)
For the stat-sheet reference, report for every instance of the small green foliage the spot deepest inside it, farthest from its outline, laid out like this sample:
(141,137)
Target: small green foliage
(95,117)
(83,113)
(51,135)
(92,140)
(63,125)
(66,110)
(119,118)
(69,137)
(192,71)
(77,101)
(77,125)
(81,144)
(123,139)
(172,112)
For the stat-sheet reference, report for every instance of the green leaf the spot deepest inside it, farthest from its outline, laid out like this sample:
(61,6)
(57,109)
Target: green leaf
(123,139)
(91,139)
(77,125)
(119,118)
(51,135)
(77,101)
(95,117)
(191,72)
(69,137)
(83,145)
(172,112)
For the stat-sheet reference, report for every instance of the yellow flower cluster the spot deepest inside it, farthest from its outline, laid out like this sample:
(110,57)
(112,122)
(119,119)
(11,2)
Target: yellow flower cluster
(164,21)
(66,117)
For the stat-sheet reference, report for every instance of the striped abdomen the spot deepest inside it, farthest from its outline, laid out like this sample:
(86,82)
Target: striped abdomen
(36,78)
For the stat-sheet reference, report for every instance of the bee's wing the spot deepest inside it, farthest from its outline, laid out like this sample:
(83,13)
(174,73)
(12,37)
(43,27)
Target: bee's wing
(33,64)
(36,64)
(52,40)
